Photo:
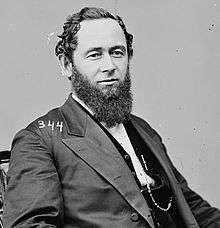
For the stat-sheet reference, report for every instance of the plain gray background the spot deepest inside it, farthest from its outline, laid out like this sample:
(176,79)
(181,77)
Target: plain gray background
(175,72)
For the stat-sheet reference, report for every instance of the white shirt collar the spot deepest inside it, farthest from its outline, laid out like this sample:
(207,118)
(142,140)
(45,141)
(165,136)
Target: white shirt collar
(82,103)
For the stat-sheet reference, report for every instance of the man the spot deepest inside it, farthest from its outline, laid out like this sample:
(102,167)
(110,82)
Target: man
(91,163)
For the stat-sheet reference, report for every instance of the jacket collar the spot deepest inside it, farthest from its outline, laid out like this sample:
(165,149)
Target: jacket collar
(75,117)
(96,149)
(105,159)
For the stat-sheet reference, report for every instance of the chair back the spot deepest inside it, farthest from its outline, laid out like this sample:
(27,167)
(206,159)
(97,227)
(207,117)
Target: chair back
(4,163)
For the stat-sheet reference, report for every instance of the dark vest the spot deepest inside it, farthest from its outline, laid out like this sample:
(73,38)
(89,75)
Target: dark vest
(161,191)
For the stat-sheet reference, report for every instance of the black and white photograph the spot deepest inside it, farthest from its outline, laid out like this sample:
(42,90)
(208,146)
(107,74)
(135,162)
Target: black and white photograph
(110,114)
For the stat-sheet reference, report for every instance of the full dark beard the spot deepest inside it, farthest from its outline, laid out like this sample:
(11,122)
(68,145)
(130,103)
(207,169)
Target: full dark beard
(112,106)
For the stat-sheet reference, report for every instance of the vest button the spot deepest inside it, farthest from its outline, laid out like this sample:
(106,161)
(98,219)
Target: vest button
(133,173)
(127,157)
(134,217)
(159,225)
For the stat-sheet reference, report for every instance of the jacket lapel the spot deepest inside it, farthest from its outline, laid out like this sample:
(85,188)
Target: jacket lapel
(97,150)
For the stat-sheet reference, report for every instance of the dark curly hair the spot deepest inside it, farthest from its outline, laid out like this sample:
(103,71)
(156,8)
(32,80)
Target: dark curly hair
(68,42)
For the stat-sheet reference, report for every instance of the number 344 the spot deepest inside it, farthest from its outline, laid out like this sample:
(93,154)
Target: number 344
(51,124)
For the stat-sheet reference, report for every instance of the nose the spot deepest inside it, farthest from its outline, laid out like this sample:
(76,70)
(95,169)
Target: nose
(107,64)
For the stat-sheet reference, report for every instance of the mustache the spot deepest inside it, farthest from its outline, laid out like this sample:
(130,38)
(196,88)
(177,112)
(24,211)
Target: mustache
(108,80)
(111,107)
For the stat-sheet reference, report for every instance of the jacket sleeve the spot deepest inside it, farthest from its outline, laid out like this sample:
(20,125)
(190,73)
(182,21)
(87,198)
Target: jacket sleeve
(205,215)
(33,196)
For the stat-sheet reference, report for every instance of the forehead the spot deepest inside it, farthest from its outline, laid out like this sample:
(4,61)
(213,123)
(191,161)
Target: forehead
(100,33)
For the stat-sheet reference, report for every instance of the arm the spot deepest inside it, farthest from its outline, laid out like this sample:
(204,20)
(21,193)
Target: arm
(33,197)
(206,216)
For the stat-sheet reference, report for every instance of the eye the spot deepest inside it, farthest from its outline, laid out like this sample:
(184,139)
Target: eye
(117,53)
(94,55)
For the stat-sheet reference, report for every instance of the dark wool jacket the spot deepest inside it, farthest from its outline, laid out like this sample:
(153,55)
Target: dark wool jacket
(65,172)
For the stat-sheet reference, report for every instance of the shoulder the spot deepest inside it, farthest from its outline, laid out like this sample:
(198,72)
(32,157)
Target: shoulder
(43,129)
(51,122)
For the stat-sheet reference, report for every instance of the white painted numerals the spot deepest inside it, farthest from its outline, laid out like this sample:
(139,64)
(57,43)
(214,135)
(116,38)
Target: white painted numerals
(41,124)
(52,124)
(60,125)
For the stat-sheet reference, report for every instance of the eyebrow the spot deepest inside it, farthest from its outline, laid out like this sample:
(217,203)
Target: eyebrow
(122,47)
(93,49)
(98,49)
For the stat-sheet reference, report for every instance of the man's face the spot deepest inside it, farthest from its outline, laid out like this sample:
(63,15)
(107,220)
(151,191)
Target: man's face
(101,54)
(100,71)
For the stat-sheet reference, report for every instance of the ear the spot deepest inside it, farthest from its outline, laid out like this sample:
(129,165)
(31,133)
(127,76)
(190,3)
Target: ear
(65,65)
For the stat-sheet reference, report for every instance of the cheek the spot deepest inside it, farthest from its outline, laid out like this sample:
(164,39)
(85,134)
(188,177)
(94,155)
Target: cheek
(87,70)
(123,68)
(91,72)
